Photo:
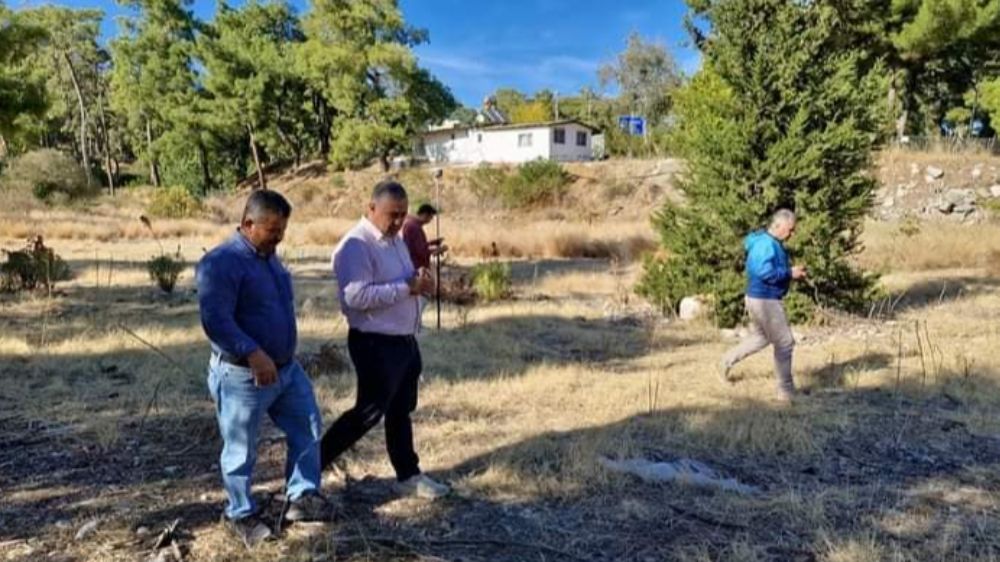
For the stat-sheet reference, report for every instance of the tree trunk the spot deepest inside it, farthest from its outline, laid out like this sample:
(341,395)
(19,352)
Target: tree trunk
(261,180)
(206,173)
(323,119)
(896,99)
(975,103)
(293,144)
(83,117)
(107,145)
(154,170)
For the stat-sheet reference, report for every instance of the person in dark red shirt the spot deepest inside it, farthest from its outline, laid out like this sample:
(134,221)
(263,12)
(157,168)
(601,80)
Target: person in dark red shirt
(420,248)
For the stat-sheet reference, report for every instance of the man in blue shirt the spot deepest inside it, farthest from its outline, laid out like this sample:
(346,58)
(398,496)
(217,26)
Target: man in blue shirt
(248,313)
(769,275)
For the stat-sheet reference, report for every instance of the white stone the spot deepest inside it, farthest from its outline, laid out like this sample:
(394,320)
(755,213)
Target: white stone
(89,528)
(692,308)
(965,208)
(976,172)
(995,190)
(934,172)
(889,202)
(681,471)
(961,197)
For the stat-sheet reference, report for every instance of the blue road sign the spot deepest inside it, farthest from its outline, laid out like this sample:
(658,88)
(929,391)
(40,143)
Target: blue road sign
(632,124)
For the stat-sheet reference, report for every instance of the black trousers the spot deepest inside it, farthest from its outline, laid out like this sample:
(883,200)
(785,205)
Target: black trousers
(388,368)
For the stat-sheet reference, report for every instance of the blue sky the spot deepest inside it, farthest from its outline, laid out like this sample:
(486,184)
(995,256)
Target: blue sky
(477,47)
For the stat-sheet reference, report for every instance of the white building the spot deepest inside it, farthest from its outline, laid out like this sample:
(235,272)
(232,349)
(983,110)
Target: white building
(563,141)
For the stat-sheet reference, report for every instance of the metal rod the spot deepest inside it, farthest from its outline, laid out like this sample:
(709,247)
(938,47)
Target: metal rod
(437,235)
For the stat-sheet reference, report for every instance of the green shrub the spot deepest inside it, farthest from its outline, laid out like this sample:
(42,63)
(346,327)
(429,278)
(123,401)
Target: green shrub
(909,226)
(538,182)
(49,175)
(992,207)
(35,266)
(174,203)
(491,281)
(485,181)
(165,270)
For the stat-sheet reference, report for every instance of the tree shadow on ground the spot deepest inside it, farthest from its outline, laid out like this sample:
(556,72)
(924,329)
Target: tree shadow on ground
(97,435)
(837,467)
(834,468)
(934,292)
(527,271)
(837,373)
(519,343)
(898,470)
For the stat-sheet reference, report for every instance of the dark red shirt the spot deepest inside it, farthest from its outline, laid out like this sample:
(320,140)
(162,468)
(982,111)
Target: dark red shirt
(416,242)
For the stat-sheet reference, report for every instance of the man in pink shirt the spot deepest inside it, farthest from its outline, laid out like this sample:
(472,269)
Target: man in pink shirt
(379,289)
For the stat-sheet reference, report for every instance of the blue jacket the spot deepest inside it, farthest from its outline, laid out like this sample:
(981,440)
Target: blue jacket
(768,270)
(246,301)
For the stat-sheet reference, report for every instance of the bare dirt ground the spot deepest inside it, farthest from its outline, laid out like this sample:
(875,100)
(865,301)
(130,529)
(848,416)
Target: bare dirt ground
(109,448)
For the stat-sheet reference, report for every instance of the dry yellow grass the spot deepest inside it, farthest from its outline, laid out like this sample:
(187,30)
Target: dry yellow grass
(466,237)
(520,398)
(890,247)
(64,225)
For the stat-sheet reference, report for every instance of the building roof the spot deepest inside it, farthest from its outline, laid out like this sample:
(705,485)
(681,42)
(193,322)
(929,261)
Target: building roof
(537,125)
(510,126)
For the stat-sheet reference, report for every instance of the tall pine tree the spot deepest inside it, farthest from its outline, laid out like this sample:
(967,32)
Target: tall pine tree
(18,96)
(154,83)
(373,96)
(784,113)
(249,74)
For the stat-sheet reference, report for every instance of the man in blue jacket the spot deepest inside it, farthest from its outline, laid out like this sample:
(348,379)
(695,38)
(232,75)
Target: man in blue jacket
(769,274)
(248,313)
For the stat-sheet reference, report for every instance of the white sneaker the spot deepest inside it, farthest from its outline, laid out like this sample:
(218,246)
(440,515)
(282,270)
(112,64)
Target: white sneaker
(785,397)
(724,369)
(422,486)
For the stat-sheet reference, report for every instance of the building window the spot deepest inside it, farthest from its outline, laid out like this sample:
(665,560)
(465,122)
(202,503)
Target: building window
(559,136)
(581,138)
(524,140)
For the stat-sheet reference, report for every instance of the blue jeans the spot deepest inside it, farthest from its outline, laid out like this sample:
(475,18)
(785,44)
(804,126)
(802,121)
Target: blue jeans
(240,406)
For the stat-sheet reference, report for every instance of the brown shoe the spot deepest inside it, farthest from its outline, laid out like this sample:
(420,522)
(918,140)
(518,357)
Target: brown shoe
(250,530)
(310,507)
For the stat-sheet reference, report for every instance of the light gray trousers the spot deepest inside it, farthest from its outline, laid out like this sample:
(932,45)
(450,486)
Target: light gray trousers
(768,326)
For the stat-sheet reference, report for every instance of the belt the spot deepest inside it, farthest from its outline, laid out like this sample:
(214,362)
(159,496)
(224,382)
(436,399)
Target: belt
(243,362)
(406,337)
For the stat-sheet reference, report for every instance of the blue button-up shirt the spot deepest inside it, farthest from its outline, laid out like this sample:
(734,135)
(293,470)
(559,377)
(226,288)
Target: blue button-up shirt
(246,301)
